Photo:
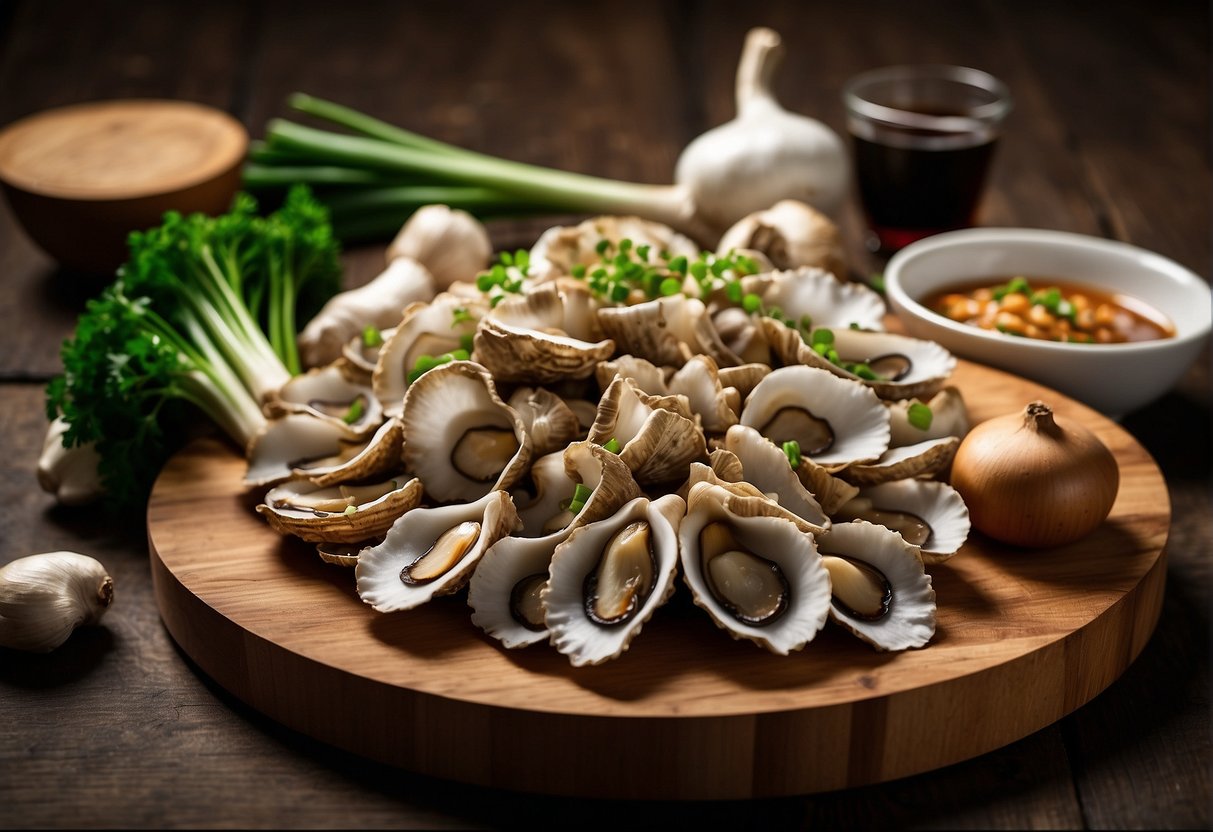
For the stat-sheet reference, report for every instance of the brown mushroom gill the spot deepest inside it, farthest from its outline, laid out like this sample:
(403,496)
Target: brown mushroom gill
(813,434)
(482,453)
(345,453)
(913,528)
(447,551)
(891,367)
(751,588)
(626,572)
(860,590)
(525,606)
(337,499)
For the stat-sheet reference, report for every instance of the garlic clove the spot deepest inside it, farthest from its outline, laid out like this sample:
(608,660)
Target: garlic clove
(789,234)
(45,597)
(69,473)
(451,244)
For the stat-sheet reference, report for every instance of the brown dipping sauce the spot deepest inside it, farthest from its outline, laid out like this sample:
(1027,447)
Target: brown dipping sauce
(1050,310)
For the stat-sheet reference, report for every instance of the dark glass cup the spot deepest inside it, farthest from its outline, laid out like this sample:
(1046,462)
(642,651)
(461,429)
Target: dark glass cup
(922,138)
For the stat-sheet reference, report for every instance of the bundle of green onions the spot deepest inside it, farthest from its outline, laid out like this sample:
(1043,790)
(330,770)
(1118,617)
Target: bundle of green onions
(373,175)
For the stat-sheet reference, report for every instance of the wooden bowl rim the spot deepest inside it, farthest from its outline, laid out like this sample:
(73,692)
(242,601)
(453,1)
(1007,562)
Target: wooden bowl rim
(232,147)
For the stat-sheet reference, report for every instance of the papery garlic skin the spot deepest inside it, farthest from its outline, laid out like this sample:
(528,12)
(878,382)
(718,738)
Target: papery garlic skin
(69,473)
(451,244)
(380,303)
(45,597)
(766,153)
(790,234)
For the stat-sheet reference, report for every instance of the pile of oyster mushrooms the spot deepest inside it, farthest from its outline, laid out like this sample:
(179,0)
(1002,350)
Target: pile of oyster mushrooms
(586,452)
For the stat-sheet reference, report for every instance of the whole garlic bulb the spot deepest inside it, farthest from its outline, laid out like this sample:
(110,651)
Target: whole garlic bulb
(44,598)
(765,153)
(791,234)
(451,244)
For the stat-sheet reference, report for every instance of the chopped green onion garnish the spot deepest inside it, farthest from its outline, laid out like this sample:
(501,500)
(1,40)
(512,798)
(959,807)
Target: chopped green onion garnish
(581,494)
(862,370)
(822,336)
(350,511)
(791,450)
(919,415)
(371,336)
(612,445)
(751,302)
(425,363)
(355,412)
(458,315)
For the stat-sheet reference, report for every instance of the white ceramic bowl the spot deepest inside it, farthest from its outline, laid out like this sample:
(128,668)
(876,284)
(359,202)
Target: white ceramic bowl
(1113,378)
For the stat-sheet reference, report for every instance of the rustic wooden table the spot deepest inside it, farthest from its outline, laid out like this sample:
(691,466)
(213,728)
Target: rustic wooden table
(1110,137)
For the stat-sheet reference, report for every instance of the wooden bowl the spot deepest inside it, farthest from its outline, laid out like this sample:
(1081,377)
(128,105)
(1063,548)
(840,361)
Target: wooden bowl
(80,178)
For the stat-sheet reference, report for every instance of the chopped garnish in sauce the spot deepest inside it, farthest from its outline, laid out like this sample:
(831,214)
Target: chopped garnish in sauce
(1049,310)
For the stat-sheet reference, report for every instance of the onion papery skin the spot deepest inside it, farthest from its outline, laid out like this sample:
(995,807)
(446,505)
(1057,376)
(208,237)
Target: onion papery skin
(1032,480)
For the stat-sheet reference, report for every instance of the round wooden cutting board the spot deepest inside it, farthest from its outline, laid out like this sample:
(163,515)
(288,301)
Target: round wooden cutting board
(1024,638)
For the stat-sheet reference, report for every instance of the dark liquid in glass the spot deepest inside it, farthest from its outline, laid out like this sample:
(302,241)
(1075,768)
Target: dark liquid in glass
(910,192)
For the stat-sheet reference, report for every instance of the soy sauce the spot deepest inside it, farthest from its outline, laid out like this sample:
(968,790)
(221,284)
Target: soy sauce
(914,182)
(910,193)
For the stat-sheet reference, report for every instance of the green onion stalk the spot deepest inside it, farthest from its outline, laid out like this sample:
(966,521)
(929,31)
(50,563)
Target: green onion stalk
(374,176)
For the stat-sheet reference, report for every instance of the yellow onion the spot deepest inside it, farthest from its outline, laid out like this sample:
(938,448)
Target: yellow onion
(1030,479)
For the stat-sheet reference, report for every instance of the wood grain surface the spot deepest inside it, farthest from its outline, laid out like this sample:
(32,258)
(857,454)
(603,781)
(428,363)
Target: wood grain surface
(1109,136)
(1024,637)
(112,150)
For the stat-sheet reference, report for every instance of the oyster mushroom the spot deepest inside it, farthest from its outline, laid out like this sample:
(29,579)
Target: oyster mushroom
(339,513)
(460,438)
(880,591)
(790,233)
(758,577)
(504,591)
(834,421)
(426,329)
(432,551)
(929,515)
(607,578)
(656,435)
(327,393)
